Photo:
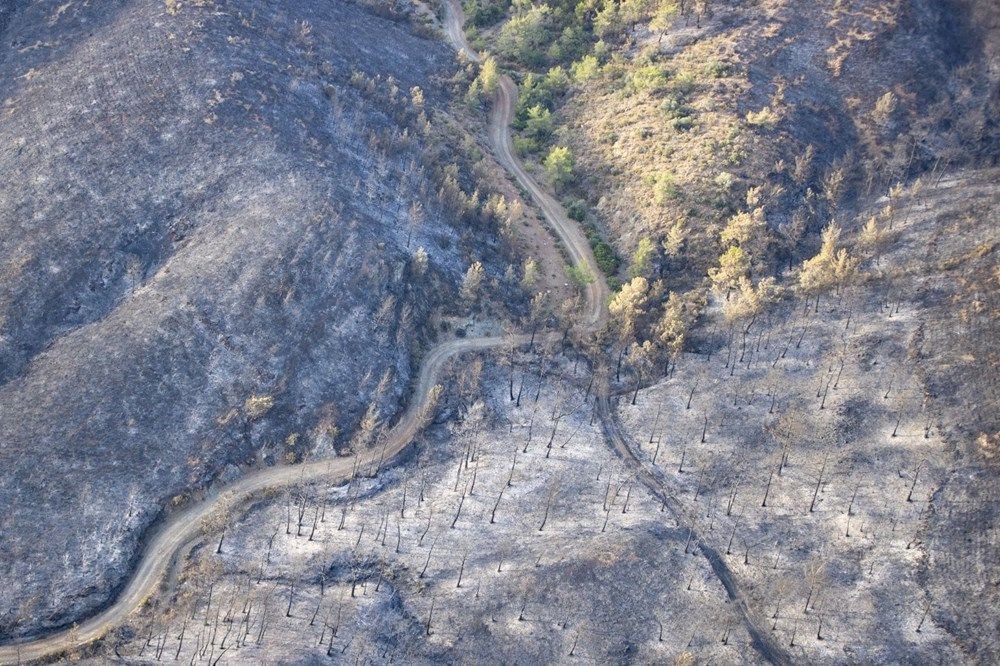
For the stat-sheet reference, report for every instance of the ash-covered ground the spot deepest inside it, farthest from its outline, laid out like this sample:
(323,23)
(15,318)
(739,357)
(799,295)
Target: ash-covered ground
(206,259)
(511,535)
(830,480)
(209,262)
(841,456)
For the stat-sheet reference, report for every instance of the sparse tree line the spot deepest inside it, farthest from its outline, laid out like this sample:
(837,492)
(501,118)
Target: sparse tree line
(457,190)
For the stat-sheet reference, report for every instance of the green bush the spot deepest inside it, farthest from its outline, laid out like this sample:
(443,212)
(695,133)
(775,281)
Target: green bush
(525,38)
(541,91)
(559,165)
(524,145)
(674,107)
(717,69)
(642,258)
(576,209)
(538,125)
(683,124)
(684,84)
(606,257)
(556,81)
(571,44)
(484,13)
(585,68)
(579,275)
(664,187)
(651,78)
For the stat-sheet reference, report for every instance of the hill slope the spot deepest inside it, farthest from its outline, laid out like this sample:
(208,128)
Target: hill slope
(205,259)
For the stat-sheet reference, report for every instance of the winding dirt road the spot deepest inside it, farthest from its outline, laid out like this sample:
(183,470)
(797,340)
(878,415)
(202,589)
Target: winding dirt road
(568,231)
(166,540)
(179,529)
(761,640)
(169,538)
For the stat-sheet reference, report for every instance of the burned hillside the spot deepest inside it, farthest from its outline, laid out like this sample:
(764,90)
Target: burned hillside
(207,257)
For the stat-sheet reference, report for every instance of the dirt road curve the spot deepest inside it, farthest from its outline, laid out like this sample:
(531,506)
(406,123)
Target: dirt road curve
(164,543)
(569,232)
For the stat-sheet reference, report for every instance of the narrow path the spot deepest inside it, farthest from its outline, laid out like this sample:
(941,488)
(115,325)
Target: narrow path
(762,640)
(166,540)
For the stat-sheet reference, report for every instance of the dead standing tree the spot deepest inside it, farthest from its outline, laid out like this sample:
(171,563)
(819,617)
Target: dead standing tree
(507,356)
(563,406)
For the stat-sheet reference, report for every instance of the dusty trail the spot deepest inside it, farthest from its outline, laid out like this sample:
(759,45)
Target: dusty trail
(761,639)
(166,540)
(568,231)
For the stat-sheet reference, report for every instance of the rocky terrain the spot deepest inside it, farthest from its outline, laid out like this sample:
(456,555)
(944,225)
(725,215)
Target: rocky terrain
(206,260)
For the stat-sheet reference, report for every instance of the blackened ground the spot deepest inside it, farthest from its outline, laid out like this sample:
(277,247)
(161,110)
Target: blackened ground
(198,207)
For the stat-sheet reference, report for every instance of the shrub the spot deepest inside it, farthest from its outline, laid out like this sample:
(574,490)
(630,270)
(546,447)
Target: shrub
(683,124)
(540,91)
(717,69)
(651,78)
(664,187)
(576,209)
(538,125)
(579,275)
(524,38)
(725,181)
(483,13)
(606,257)
(642,258)
(559,166)
(674,107)
(571,43)
(684,84)
(557,81)
(585,68)
(763,118)
(524,145)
